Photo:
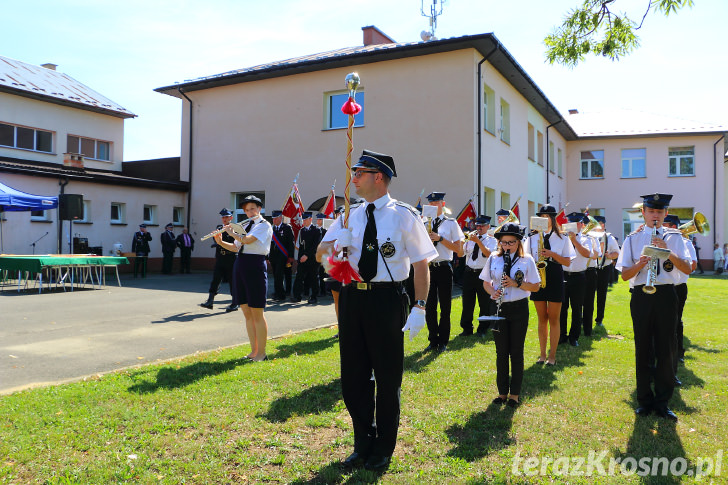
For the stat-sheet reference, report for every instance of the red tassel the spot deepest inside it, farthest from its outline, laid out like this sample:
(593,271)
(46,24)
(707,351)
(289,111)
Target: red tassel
(341,270)
(351,107)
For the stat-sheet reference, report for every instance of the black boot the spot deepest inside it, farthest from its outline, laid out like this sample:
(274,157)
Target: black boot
(208,303)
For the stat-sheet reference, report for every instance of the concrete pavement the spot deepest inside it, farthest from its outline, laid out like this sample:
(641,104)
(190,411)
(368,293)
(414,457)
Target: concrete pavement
(57,337)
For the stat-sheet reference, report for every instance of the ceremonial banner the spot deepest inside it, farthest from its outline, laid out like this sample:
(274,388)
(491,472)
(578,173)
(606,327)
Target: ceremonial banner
(293,209)
(467,214)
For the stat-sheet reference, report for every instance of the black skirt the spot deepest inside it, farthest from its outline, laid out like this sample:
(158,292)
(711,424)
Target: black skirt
(554,290)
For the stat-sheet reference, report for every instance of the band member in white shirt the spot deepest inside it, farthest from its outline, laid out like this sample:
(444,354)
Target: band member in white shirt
(477,249)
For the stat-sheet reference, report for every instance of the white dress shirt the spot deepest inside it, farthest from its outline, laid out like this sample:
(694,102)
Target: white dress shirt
(632,249)
(493,270)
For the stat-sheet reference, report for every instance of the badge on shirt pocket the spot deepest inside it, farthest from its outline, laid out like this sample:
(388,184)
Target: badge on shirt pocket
(388,250)
(519,277)
(668,265)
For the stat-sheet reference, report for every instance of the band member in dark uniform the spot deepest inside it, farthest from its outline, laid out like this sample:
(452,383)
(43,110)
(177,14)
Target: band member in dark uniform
(383,237)
(605,268)
(448,239)
(654,314)
(224,262)
(250,274)
(557,252)
(510,275)
(140,246)
(575,282)
(307,273)
(477,249)
(281,256)
(169,244)
(186,244)
(321,272)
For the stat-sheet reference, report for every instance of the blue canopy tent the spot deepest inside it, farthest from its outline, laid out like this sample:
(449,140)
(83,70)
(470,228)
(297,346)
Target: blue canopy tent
(15,200)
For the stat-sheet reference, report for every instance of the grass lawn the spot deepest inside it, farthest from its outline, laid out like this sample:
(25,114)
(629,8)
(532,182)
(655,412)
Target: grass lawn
(216,418)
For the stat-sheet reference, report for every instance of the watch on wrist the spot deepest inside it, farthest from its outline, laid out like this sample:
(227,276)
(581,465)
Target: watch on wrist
(421,303)
(440,240)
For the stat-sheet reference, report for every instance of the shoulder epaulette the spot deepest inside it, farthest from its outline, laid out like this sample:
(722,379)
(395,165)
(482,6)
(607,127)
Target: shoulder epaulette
(408,207)
(532,233)
(670,230)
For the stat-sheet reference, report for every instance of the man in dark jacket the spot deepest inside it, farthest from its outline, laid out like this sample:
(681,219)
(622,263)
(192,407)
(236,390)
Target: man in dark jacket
(224,262)
(140,246)
(281,256)
(307,273)
(169,244)
(186,244)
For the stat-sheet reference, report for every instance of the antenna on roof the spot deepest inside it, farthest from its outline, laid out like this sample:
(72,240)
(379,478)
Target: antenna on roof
(435,11)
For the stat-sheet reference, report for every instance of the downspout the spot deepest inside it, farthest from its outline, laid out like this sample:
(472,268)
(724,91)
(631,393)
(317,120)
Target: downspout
(715,187)
(189,190)
(480,123)
(62,182)
(548,201)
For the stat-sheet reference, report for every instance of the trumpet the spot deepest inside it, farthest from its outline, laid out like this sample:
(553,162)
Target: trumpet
(237,228)
(471,235)
(698,224)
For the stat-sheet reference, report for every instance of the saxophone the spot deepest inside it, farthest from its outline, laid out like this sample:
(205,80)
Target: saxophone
(541,264)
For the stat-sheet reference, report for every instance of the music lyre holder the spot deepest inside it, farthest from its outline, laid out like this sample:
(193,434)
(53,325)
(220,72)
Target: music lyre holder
(33,243)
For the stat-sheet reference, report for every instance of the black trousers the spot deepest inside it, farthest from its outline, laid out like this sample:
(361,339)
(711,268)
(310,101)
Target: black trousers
(440,290)
(371,339)
(223,272)
(281,276)
(604,278)
(185,258)
(167,257)
(590,290)
(653,319)
(472,287)
(140,264)
(682,296)
(509,342)
(307,277)
(574,296)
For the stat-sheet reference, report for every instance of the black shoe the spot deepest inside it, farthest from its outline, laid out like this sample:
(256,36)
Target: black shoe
(563,340)
(207,304)
(354,460)
(312,301)
(232,308)
(574,343)
(377,462)
(442,348)
(512,403)
(599,324)
(480,334)
(678,382)
(466,333)
(430,348)
(643,411)
(295,299)
(667,414)
(499,400)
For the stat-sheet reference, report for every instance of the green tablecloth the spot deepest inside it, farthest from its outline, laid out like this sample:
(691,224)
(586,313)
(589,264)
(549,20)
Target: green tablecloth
(36,263)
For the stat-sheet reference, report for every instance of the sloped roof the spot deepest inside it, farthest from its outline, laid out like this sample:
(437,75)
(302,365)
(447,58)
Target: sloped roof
(486,44)
(38,82)
(626,122)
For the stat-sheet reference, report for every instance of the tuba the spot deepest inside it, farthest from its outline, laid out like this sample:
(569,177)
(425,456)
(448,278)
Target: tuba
(698,224)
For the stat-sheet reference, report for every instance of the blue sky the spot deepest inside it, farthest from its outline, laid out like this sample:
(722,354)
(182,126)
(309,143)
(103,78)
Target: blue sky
(126,49)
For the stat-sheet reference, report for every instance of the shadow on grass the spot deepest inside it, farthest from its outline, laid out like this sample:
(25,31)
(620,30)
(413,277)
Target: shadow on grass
(312,400)
(336,473)
(691,346)
(172,378)
(483,433)
(303,348)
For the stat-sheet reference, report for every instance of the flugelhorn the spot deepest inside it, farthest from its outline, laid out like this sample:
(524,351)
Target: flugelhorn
(698,224)
(237,228)
(511,218)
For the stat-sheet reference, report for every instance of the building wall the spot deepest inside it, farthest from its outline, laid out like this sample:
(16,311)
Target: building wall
(62,120)
(614,193)
(19,231)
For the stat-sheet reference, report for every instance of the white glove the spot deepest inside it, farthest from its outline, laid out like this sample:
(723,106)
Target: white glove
(343,238)
(415,322)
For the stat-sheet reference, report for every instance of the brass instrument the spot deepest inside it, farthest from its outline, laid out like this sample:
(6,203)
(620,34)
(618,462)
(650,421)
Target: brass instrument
(698,224)
(540,225)
(237,228)
(593,223)
(655,254)
(511,218)
(470,235)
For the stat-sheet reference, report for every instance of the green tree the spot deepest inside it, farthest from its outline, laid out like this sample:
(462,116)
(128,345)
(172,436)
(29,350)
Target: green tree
(597,29)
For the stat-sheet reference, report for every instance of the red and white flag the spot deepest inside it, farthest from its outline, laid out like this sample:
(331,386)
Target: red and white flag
(467,214)
(561,216)
(329,207)
(293,209)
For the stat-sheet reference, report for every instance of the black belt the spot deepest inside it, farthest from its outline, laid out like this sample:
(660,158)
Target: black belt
(569,273)
(511,303)
(435,264)
(474,270)
(360,285)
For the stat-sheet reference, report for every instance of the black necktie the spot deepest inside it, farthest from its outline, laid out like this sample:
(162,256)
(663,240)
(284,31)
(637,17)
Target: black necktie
(247,230)
(435,225)
(476,251)
(369,248)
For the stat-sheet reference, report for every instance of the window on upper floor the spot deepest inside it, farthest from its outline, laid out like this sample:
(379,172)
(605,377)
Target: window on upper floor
(560,165)
(531,142)
(333,117)
(592,164)
(89,148)
(551,156)
(488,109)
(505,121)
(633,163)
(681,161)
(539,146)
(25,138)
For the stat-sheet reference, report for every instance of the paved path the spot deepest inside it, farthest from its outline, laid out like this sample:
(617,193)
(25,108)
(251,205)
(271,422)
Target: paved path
(58,337)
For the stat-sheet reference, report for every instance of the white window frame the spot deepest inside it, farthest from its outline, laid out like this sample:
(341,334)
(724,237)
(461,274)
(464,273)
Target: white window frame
(152,212)
(44,217)
(86,215)
(678,160)
(590,161)
(505,121)
(631,162)
(122,213)
(488,115)
(239,214)
(330,104)
(36,131)
(178,216)
(77,149)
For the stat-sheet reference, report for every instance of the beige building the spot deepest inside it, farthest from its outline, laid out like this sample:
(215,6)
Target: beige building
(59,136)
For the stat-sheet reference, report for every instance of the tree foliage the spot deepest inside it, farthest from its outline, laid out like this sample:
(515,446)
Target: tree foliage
(595,28)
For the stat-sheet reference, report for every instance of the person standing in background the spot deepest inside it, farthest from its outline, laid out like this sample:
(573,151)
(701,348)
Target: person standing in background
(169,244)
(140,246)
(186,244)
